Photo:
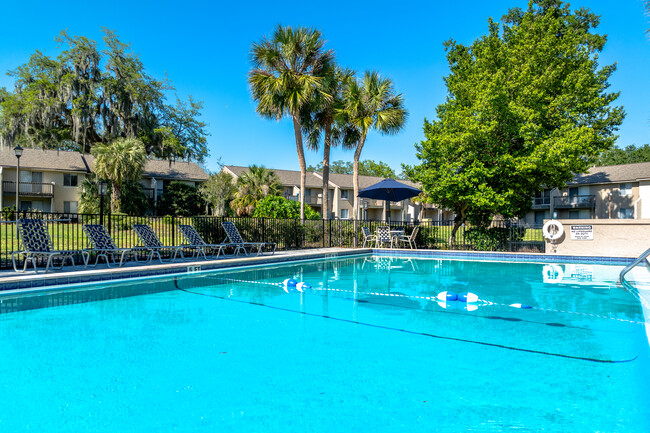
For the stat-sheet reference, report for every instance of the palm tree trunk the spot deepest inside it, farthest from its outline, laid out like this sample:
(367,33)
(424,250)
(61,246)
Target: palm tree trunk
(301,160)
(326,170)
(355,175)
(115,198)
(355,182)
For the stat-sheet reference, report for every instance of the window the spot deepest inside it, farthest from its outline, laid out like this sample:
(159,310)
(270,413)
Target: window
(625,188)
(345,194)
(69,179)
(626,213)
(70,206)
(574,214)
(345,213)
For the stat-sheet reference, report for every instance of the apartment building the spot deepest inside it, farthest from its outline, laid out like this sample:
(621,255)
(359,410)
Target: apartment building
(612,192)
(50,180)
(341,197)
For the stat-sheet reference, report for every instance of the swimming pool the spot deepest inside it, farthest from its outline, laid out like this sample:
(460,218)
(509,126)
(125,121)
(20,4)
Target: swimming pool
(369,348)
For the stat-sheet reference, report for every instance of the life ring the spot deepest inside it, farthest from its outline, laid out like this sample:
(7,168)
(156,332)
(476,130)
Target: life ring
(559,230)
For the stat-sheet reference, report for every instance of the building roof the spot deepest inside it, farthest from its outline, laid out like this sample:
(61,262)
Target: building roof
(287,177)
(315,179)
(48,160)
(614,174)
(61,160)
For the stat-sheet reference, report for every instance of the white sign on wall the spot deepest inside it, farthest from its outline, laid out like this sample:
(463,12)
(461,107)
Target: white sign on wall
(582,233)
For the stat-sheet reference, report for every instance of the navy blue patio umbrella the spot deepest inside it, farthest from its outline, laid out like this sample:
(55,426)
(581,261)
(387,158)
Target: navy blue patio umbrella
(389,190)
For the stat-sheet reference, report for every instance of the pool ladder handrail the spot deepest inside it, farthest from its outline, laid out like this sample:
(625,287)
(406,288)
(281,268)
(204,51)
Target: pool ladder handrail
(629,267)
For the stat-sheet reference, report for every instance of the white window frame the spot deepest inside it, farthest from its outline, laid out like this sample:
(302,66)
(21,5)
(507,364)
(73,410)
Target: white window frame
(345,214)
(70,178)
(69,204)
(345,194)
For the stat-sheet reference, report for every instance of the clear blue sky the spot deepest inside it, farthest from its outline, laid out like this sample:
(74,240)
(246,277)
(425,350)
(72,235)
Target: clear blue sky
(203,49)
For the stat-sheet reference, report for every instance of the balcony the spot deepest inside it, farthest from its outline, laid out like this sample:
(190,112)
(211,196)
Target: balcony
(379,204)
(575,202)
(29,189)
(541,203)
(309,199)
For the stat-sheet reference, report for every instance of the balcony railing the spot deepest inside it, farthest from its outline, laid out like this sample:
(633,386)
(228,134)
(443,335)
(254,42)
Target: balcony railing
(575,202)
(29,189)
(541,202)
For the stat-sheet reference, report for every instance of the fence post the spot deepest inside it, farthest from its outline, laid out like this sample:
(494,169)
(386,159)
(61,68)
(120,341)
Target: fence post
(329,229)
(173,230)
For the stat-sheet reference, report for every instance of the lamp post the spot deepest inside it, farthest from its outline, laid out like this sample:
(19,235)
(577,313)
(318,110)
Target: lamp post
(101,187)
(154,183)
(18,151)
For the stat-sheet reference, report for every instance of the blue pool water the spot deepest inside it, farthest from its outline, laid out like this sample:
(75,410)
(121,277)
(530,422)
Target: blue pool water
(369,349)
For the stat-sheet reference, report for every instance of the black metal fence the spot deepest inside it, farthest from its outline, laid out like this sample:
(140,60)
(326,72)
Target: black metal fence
(66,232)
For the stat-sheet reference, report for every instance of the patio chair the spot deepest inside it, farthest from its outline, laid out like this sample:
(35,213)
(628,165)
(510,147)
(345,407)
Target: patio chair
(196,241)
(368,237)
(151,243)
(383,236)
(235,239)
(103,245)
(36,243)
(410,239)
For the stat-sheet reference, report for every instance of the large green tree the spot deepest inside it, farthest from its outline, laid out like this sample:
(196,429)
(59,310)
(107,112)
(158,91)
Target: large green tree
(367,167)
(371,104)
(527,106)
(120,162)
(630,155)
(218,191)
(87,96)
(287,74)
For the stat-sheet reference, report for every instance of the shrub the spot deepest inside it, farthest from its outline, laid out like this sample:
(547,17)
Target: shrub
(279,207)
(493,238)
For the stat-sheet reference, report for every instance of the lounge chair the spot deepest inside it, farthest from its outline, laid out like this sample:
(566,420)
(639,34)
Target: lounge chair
(368,237)
(383,236)
(197,243)
(103,245)
(235,239)
(410,239)
(151,243)
(37,244)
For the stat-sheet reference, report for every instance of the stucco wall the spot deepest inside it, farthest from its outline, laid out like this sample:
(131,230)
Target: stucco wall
(617,238)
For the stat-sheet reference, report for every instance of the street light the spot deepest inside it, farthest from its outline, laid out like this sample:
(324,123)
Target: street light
(154,183)
(18,151)
(101,187)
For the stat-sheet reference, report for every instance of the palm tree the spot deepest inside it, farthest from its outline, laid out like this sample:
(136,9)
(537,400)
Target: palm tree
(254,185)
(119,162)
(286,75)
(371,104)
(321,121)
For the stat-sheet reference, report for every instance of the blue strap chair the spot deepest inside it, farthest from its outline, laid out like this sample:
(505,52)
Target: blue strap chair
(368,237)
(197,243)
(235,239)
(383,236)
(36,243)
(151,243)
(103,245)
